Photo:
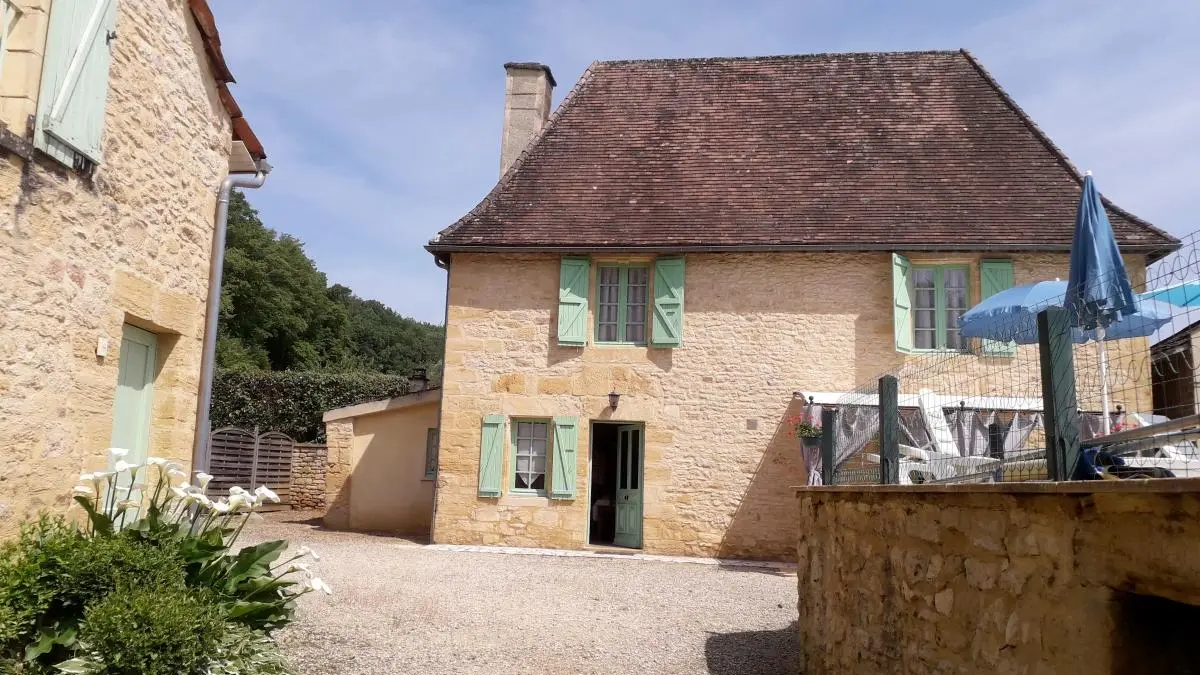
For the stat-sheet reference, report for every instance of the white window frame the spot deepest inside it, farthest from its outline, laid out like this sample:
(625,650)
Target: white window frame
(524,443)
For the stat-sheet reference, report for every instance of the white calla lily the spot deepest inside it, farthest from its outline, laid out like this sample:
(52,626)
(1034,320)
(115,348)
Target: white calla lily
(87,478)
(298,567)
(118,453)
(264,492)
(122,466)
(317,584)
(304,550)
(128,504)
(82,490)
(156,461)
(237,490)
(221,507)
(238,501)
(203,479)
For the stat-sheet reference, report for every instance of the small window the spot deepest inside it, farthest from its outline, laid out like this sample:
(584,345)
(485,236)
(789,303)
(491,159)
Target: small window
(940,297)
(530,445)
(431,453)
(621,301)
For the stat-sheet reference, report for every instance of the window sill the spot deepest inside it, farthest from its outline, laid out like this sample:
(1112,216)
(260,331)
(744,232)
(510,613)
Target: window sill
(524,499)
(428,479)
(620,344)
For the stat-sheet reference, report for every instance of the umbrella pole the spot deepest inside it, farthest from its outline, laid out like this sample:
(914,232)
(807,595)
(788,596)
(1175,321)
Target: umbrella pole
(1106,423)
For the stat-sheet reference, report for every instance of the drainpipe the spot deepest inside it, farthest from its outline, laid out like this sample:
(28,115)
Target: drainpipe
(443,262)
(208,361)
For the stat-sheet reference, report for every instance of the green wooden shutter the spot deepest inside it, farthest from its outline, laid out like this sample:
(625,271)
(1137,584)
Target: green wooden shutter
(902,303)
(70,117)
(573,301)
(996,276)
(491,456)
(566,442)
(666,329)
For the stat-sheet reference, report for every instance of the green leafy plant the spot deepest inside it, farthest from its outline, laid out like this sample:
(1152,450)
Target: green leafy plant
(292,402)
(136,630)
(66,590)
(244,651)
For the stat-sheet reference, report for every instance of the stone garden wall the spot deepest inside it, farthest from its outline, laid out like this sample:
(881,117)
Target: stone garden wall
(1097,577)
(308,475)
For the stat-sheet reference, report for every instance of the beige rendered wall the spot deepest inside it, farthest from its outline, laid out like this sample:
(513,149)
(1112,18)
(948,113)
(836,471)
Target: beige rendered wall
(79,257)
(719,467)
(999,579)
(383,486)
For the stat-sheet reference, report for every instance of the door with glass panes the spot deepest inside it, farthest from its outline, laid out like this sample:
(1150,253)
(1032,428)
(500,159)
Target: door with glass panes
(629,487)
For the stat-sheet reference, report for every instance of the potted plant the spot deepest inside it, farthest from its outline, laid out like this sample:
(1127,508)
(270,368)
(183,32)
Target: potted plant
(808,433)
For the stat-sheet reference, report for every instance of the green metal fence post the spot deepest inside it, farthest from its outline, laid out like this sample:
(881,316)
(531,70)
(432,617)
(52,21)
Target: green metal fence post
(828,444)
(889,430)
(1060,409)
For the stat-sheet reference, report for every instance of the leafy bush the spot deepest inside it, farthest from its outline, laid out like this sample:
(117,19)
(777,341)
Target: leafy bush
(166,591)
(293,401)
(136,630)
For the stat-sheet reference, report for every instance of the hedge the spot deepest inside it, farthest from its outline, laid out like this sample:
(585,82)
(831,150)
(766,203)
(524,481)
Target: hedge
(293,402)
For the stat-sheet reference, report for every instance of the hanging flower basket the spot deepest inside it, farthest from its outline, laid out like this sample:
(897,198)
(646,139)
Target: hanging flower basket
(808,433)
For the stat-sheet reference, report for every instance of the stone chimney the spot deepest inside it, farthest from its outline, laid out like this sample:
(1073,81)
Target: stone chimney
(527,91)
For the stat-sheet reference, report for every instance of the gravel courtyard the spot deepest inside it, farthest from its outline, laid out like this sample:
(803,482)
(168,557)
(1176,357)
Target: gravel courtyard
(401,608)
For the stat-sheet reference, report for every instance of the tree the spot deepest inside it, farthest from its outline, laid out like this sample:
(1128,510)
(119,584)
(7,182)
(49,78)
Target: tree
(277,312)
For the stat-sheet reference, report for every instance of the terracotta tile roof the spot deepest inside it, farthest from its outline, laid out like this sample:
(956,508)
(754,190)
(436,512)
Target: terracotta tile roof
(825,151)
(212,47)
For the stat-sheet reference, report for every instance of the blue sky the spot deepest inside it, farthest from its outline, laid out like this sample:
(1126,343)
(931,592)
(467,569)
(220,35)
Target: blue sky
(383,123)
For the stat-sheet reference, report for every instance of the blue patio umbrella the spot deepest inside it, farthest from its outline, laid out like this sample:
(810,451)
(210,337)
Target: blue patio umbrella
(1011,316)
(1098,289)
(1182,294)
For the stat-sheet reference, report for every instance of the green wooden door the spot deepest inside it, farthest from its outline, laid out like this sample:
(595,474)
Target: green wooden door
(135,394)
(629,487)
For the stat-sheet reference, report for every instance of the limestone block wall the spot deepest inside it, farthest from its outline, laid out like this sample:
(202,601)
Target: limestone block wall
(1099,577)
(80,256)
(309,463)
(719,467)
(339,443)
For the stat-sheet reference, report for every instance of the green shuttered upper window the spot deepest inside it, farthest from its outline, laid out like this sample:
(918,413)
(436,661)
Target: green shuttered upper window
(940,296)
(74,88)
(929,300)
(621,295)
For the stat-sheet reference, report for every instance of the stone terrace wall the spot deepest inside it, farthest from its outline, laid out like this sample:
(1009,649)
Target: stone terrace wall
(996,579)
(308,475)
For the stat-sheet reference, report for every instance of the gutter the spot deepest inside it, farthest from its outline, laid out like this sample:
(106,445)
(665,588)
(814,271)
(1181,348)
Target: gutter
(200,459)
(436,249)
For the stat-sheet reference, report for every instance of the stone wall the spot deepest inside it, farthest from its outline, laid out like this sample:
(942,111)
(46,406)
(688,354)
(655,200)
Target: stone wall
(309,463)
(719,467)
(80,256)
(339,441)
(1029,578)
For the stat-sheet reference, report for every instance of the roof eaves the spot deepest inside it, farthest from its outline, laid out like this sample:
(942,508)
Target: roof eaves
(436,248)
(1169,244)
(206,23)
(567,103)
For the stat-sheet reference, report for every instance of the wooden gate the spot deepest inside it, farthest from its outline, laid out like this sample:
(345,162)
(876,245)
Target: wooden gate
(249,459)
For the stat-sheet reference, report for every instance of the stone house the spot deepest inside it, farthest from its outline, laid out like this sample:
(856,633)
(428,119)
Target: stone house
(117,130)
(685,243)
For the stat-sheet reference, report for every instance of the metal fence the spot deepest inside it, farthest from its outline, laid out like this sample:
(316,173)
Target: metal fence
(999,411)
(248,459)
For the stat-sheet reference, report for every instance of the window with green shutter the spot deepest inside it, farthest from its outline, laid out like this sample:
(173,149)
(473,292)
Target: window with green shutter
(573,301)
(902,303)
(491,455)
(996,276)
(74,89)
(666,328)
(940,295)
(621,304)
(566,442)
(531,454)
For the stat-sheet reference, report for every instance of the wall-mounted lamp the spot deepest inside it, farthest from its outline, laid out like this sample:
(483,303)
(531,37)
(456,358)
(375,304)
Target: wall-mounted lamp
(613,399)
